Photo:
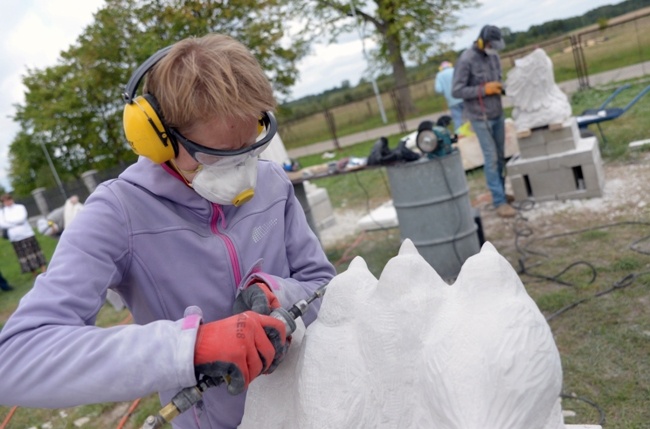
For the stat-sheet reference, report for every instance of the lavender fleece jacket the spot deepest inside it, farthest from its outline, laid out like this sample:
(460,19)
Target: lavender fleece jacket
(163,248)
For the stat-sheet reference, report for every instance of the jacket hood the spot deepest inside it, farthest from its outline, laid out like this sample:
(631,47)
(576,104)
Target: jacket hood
(161,181)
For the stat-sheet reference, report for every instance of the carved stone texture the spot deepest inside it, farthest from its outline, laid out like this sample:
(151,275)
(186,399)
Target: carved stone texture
(537,100)
(408,350)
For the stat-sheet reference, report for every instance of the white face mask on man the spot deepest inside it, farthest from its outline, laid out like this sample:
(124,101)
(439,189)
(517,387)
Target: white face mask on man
(232,184)
(495,46)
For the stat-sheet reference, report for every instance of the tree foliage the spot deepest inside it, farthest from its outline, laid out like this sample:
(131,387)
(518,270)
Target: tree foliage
(74,108)
(403,30)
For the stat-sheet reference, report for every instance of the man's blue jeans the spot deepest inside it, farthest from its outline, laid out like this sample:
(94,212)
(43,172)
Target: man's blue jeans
(491,136)
(457,115)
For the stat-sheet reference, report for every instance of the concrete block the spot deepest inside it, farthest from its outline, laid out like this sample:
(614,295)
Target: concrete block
(532,146)
(518,165)
(536,151)
(560,146)
(542,198)
(321,207)
(594,179)
(580,194)
(575,131)
(597,167)
(567,174)
(568,130)
(519,188)
(584,153)
(552,182)
(535,138)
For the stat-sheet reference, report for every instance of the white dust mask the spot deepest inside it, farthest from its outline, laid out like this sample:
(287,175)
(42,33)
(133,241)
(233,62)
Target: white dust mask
(233,184)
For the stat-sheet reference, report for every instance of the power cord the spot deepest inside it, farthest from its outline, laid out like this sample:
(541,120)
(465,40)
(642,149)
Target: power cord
(601,413)
(380,225)
(628,280)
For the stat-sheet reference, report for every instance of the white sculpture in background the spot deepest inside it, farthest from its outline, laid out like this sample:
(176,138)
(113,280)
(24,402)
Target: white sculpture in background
(537,100)
(410,351)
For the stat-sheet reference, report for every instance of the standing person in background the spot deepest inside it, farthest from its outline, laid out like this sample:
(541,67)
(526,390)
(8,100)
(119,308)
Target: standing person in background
(200,238)
(14,218)
(477,80)
(443,85)
(71,208)
(4,285)
(60,218)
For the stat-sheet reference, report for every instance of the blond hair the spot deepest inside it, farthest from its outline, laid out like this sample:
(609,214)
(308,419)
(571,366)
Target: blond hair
(209,76)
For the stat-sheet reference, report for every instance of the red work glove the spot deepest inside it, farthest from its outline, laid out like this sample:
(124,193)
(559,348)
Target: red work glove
(493,88)
(240,348)
(257,297)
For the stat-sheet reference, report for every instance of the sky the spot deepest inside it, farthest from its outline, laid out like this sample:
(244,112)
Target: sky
(33,33)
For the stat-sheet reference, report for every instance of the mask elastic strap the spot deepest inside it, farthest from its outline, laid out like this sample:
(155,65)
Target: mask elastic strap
(182,172)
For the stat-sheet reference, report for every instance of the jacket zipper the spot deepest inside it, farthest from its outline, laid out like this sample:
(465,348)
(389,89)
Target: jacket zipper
(234,260)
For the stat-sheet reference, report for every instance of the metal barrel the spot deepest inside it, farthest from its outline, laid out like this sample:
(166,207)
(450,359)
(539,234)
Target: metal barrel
(431,198)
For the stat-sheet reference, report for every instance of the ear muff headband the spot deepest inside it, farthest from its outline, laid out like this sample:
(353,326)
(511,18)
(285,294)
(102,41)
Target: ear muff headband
(144,127)
(480,42)
(138,74)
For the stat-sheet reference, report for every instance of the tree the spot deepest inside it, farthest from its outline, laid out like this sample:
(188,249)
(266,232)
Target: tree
(603,23)
(74,108)
(402,29)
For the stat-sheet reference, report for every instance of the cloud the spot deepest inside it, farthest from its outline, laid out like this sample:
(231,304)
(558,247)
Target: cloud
(33,33)
(329,66)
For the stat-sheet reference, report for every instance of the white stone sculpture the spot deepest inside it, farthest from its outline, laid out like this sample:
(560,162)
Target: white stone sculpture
(411,351)
(537,100)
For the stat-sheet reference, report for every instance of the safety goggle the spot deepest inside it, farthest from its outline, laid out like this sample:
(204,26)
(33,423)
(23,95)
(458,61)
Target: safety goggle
(268,127)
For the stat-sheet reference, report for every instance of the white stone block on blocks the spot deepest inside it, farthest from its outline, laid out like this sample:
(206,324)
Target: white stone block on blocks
(519,165)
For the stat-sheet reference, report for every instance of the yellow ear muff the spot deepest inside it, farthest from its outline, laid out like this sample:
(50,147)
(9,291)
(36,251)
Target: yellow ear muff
(145,131)
(143,123)
(480,43)
(260,126)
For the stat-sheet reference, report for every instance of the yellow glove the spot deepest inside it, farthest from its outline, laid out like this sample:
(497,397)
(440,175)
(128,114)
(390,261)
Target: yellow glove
(493,88)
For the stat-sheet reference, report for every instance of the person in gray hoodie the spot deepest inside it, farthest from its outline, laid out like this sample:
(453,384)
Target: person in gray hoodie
(194,236)
(478,82)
